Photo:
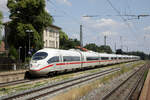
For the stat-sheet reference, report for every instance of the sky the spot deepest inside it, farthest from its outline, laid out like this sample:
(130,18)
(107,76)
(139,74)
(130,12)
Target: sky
(106,17)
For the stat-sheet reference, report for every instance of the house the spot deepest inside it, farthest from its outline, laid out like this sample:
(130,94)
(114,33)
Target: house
(51,36)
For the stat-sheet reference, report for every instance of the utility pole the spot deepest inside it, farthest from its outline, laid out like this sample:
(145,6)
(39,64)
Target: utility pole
(81,37)
(121,42)
(115,47)
(29,32)
(105,40)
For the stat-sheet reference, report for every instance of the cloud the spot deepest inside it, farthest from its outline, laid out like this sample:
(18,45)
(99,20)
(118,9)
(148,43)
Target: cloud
(75,36)
(147,28)
(108,33)
(65,2)
(104,25)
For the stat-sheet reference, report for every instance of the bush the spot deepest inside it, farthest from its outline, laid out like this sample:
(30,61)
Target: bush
(13,53)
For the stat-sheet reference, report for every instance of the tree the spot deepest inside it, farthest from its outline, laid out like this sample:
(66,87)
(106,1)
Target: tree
(119,51)
(1,16)
(63,37)
(106,49)
(27,15)
(67,43)
(92,46)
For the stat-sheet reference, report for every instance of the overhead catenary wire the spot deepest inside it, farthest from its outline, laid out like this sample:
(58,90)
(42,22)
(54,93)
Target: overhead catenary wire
(64,12)
(118,12)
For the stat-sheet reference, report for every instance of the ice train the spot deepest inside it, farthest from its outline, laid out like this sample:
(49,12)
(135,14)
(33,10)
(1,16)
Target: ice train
(48,61)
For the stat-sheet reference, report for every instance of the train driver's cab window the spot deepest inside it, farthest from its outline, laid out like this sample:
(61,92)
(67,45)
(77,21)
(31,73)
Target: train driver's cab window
(39,56)
(53,59)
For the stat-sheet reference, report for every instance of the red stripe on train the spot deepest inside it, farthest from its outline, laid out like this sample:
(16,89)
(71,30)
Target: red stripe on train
(44,67)
(73,63)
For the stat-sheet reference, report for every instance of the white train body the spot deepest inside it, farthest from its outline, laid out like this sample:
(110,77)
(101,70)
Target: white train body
(47,61)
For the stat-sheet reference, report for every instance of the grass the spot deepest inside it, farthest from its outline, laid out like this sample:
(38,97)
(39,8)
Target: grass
(145,75)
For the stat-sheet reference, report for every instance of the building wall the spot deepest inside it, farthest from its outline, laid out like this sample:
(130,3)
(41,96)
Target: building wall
(51,37)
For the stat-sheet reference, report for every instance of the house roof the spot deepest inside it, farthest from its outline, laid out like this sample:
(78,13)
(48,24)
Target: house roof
(54,26)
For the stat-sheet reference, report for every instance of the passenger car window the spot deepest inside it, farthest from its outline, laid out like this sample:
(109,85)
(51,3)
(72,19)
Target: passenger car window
(53,59)
(67,58)
(71,58)
(39,56)
(104,58)
(92,58)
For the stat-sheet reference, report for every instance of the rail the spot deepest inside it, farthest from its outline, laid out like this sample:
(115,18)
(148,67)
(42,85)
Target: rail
(34,94)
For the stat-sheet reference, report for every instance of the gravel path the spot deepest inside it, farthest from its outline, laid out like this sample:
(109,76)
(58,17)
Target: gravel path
(103,89)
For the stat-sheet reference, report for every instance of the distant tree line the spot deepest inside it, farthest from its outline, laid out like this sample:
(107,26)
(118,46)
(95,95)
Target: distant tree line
(142,55)
(102,48)
(68,43)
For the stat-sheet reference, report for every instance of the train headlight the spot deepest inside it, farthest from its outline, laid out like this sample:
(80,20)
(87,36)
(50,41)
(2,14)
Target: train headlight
(39,65)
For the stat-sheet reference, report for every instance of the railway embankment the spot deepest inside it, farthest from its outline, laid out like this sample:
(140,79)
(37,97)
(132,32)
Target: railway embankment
(145,94)
(9,76)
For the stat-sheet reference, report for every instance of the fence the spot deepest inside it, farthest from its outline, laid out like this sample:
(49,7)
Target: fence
(13,66)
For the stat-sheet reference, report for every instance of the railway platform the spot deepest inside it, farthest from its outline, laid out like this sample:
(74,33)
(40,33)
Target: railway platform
(145,93)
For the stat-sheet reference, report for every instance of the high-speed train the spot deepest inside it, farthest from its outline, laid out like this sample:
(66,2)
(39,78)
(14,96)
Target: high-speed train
(47,61)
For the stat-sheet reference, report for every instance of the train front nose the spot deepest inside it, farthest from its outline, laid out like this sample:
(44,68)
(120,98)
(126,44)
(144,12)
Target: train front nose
(37,68)
(34,69)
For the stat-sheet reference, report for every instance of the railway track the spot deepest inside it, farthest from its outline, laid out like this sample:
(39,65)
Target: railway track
(13,83)
(127,89)
(11,74)
(57,87)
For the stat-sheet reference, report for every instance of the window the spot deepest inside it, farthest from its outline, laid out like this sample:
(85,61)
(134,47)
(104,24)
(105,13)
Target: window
(119,58)
(53,59)
(67,58)
(39,56)
(75,58)
(112,58)
(104,58)
(115,57)
(92,58)
(46,43)
(71,58)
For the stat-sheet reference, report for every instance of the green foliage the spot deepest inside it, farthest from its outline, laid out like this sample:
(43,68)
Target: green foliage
(63,39)
(142,55)
(119,51)
(72,43)
(13,53)
(106,49)
(94,47)
(66,43)
(27,15)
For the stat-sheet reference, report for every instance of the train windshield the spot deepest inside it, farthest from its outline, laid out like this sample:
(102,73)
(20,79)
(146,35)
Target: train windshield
(39,56)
